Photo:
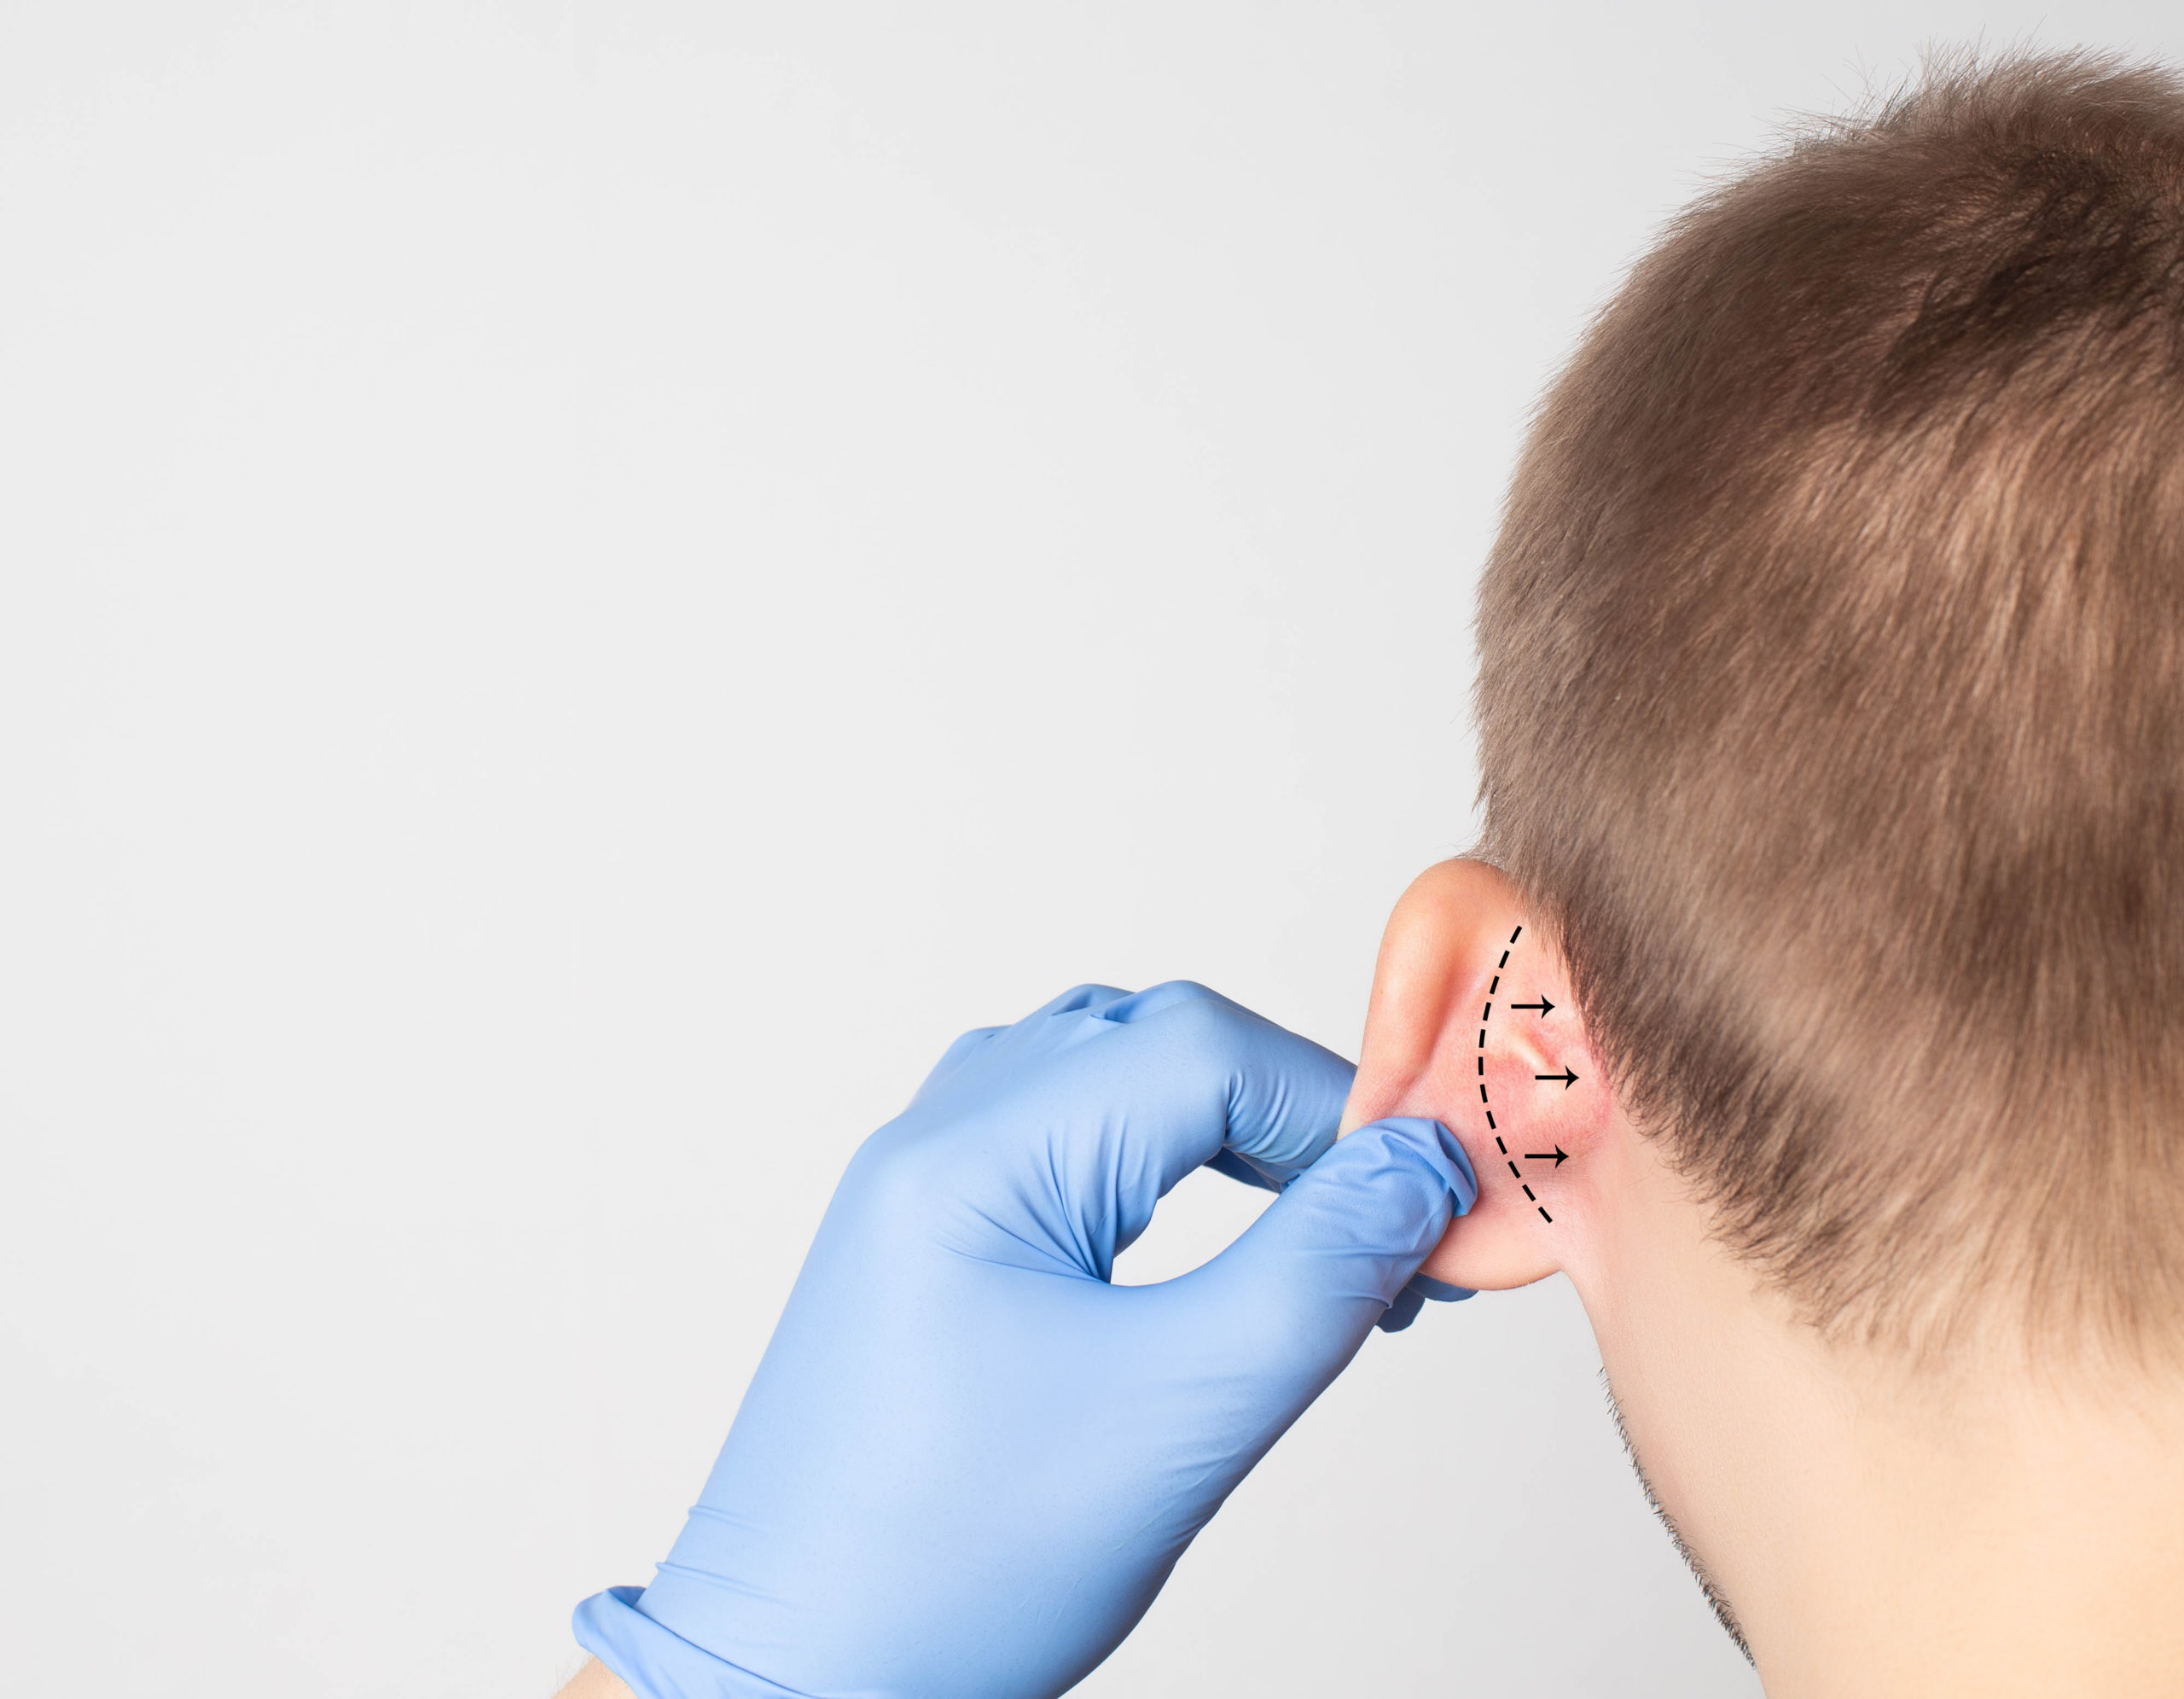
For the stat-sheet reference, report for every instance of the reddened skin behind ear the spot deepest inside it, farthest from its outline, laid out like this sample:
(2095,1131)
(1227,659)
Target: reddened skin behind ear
(1472,1022)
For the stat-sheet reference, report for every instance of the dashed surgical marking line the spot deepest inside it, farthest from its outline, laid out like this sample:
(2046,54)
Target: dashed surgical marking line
(1484,1015)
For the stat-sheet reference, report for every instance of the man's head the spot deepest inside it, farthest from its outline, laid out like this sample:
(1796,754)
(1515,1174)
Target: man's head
(1832,710)
(1832,702)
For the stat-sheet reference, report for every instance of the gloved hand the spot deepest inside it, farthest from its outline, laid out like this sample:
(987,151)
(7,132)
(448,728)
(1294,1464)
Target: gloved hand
(966,1463)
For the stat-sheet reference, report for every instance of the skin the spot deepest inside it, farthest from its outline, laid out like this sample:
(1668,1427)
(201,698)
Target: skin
(2004,1527)
(596,1681)
(2008,1529)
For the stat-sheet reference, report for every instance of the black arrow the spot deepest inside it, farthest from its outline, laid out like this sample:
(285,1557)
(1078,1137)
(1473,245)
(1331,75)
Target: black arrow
(1559,1155)
(1544,1007)
(1568,1077)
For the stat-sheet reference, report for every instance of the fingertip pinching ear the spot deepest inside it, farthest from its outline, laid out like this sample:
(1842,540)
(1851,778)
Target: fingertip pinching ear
(1472,1023)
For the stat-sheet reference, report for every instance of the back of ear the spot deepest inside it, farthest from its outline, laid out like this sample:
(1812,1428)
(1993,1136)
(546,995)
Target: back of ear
(1472,1023)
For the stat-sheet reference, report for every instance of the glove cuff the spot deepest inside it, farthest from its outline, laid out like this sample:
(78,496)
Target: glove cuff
(656,1663)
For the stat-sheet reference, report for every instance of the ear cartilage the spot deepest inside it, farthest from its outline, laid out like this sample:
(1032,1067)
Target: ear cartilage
(1566,1078)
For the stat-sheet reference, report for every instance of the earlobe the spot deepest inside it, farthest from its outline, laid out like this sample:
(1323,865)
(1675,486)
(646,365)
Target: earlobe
(1472,1022)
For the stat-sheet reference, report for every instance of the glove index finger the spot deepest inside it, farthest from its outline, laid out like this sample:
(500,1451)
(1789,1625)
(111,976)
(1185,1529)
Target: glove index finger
(1284,1093)
(1058,1136)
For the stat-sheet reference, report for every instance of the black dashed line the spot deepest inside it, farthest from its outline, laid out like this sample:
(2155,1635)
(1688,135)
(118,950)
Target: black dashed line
(1484,1015)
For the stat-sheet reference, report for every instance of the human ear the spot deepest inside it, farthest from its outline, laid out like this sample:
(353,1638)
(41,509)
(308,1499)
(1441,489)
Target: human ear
(1472,1022)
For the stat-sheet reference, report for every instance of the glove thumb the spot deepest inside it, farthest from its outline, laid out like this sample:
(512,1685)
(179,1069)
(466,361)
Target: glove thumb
(1335,1253)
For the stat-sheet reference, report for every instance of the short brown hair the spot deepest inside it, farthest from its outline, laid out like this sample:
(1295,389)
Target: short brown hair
(1832,702)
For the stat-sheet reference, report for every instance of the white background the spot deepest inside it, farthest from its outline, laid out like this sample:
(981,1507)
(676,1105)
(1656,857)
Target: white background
(585,586)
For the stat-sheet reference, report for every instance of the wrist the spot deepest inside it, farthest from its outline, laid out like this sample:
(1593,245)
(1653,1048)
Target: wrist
(596,1681)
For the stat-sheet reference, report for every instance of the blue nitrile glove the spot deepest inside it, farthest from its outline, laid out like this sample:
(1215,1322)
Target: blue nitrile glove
(966,1463)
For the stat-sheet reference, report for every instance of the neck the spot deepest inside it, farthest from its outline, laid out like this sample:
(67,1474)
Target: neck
(1876,1533)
